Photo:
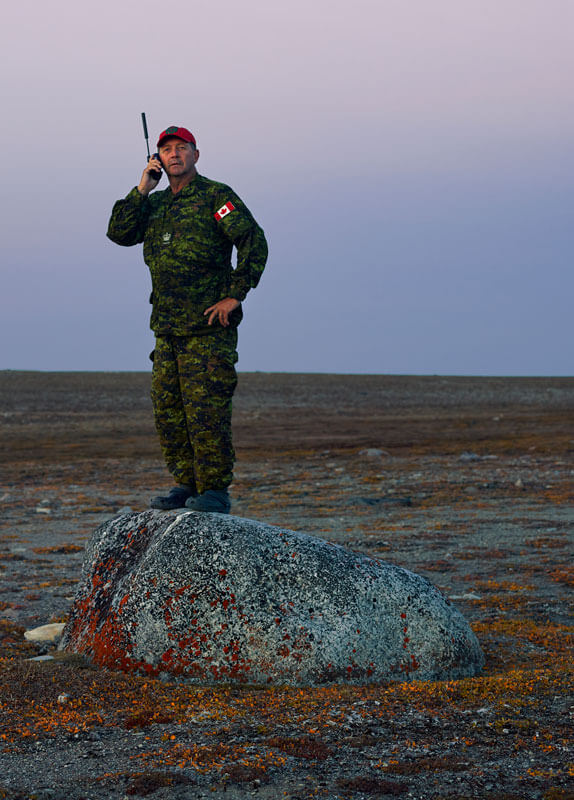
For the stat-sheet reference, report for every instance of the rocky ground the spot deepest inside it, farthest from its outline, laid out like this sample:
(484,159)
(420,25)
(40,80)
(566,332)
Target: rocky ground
(468,481)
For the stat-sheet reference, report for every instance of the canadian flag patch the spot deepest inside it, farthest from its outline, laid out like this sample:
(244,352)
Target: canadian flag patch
(224,211)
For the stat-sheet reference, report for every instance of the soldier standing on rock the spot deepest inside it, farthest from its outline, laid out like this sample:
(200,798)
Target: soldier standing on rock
(188,233)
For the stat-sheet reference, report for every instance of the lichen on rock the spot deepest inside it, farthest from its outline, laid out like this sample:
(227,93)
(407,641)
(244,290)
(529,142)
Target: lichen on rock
(212,598)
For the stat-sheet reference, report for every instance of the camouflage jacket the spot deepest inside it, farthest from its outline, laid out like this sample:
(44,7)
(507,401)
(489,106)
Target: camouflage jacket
(187,240)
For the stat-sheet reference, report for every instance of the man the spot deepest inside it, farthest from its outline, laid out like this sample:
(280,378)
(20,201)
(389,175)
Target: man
(188,233)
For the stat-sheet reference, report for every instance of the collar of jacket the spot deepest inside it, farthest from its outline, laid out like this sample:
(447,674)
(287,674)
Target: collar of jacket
(190,188)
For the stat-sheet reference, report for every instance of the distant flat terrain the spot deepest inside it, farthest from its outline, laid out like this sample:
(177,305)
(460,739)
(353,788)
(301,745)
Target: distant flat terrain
(97,414)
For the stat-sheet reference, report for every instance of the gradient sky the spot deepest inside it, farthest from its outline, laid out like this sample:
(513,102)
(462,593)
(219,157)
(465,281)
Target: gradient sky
(411,163)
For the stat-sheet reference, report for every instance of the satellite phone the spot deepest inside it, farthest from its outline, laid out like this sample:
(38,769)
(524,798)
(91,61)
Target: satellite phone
(154,173)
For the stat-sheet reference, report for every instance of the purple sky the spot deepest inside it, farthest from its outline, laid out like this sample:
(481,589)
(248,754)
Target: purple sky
(412,165)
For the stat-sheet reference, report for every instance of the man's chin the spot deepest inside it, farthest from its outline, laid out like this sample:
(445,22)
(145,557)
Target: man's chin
(180,173)
(176,172)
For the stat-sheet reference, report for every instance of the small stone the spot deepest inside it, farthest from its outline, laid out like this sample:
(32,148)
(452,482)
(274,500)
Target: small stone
(63,698)
(466,456)
(467,596)
(376,501)
(519,484)
(42,658)
(373,452)
(45,633)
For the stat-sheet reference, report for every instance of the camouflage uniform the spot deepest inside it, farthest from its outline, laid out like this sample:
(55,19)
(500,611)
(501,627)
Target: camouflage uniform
(188,239)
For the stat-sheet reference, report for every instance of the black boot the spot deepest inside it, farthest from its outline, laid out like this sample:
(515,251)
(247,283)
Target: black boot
(175,499)
(213,500)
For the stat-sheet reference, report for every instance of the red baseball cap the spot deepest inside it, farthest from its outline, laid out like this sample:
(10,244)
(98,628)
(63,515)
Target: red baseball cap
(181,133)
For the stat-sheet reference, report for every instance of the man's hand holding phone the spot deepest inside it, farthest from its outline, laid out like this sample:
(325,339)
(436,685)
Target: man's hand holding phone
(151,175)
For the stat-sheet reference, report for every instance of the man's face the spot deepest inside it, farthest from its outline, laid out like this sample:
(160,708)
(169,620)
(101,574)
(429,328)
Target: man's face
(178,157)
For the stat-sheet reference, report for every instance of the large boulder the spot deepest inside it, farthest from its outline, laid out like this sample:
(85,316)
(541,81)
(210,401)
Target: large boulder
(215,598)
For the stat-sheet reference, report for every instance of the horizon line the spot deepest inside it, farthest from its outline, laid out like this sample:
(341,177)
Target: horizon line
(303,372)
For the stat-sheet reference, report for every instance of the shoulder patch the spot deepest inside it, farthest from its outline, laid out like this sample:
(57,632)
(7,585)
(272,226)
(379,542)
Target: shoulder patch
(224,211)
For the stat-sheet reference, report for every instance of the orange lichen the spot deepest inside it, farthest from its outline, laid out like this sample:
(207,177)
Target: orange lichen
(563,575)
(61,548)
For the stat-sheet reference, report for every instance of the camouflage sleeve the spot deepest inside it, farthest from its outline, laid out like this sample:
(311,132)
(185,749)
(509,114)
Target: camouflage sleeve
(129,218)
(240,227)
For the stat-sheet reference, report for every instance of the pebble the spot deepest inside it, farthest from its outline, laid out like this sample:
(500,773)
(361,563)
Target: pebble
(469,457)
(375,501)
(467,596)
(41,658)
(45,633)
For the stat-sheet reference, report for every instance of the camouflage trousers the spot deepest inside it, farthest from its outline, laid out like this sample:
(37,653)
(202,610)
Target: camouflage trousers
(193,381)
